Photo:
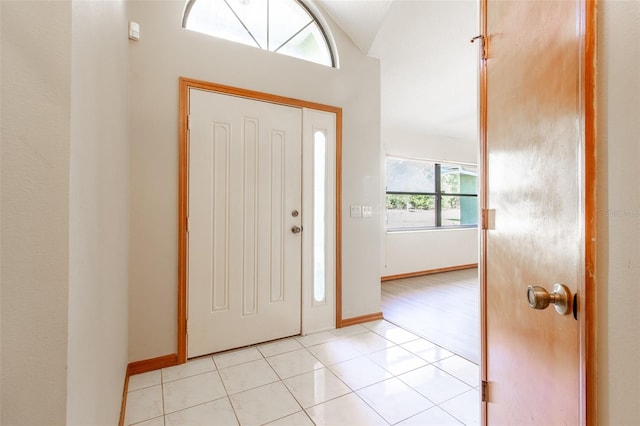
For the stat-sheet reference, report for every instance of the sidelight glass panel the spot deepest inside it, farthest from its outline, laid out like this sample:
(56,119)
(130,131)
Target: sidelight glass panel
(319,209)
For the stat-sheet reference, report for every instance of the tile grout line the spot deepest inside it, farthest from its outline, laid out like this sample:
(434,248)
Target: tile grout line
(367,355)
(164,420)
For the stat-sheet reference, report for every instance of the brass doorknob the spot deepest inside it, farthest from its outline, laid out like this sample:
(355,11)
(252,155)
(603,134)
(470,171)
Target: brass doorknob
(540,298)
(296,229)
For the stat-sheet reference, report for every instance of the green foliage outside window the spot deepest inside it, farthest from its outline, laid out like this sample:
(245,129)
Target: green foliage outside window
(425,194)
(405,201)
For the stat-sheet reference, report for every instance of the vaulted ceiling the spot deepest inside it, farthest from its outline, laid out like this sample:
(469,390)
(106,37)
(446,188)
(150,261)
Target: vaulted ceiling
(429,68)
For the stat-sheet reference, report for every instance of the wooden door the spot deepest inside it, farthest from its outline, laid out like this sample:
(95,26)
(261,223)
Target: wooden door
(244,268)
(532,117)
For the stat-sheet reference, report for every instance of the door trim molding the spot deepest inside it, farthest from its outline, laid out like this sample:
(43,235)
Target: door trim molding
(427,272)
(139,367)
(589,299)
(362,319)
(183,189)
(482,198)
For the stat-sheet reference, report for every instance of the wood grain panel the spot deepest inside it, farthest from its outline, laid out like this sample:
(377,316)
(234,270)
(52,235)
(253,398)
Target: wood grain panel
(534,146)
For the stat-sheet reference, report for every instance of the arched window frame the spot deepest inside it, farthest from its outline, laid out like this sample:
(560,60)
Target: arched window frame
(314,13)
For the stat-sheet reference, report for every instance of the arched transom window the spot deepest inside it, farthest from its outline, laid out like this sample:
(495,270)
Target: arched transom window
(282,26)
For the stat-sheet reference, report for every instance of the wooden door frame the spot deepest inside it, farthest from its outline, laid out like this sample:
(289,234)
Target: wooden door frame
(587,294)
(183,189)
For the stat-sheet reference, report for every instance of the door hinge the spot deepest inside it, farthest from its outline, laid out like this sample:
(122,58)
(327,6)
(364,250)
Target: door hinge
(188,122)
(484,45)
(188,224)
(485,391)
(488,219)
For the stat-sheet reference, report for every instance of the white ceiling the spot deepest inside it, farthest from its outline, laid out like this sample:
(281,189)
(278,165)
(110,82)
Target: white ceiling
(360,19)
(428,65)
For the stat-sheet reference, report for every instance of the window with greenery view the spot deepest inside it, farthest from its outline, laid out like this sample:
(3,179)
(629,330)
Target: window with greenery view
(282,26)
(426,194)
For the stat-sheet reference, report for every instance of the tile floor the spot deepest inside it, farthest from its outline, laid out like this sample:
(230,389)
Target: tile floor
(370,374)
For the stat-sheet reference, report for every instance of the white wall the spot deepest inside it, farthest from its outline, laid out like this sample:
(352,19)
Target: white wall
(36,49)
(64,212)
(98,213)
(414,251)
(429,99)
(618,267)
(165,52)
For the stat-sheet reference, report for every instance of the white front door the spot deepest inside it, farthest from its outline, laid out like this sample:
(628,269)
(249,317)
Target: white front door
(245,197)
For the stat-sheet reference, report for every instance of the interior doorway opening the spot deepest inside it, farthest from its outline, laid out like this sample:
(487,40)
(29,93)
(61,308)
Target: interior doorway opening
(430,277)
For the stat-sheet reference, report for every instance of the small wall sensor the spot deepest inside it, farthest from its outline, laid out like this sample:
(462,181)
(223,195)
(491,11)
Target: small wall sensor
(134,30)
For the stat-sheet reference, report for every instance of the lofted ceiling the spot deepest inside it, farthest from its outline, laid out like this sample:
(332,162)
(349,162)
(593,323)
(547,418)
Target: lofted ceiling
(429,68)
(359,19)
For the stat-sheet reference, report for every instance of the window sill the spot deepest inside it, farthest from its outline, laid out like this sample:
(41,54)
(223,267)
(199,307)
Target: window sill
(429,229)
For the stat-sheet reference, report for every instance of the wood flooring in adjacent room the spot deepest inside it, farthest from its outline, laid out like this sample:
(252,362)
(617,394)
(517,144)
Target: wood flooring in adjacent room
(442,308)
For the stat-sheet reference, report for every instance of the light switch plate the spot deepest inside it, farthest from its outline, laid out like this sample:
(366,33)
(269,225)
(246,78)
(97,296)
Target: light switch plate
(134,30)
(356,211)
(367,211)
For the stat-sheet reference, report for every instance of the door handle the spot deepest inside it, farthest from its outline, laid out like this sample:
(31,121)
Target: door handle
(296,229)
(540,298)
